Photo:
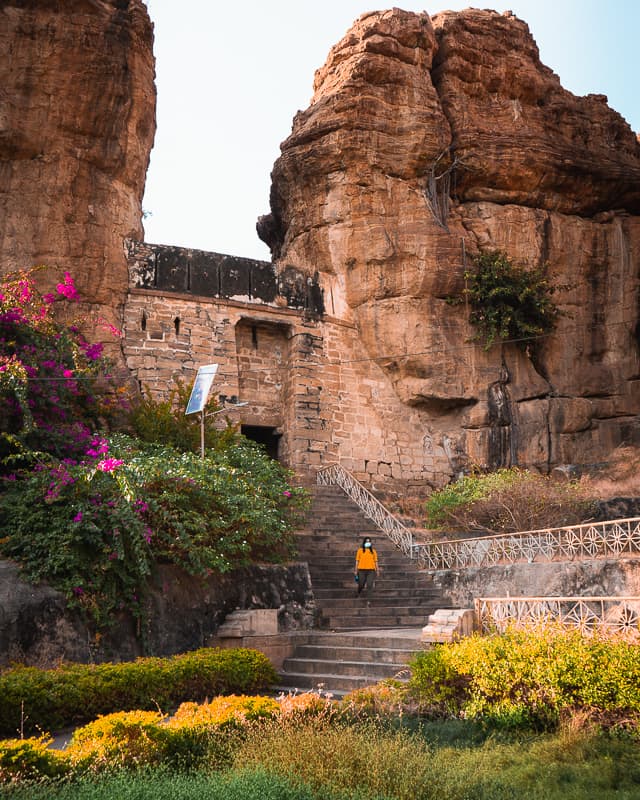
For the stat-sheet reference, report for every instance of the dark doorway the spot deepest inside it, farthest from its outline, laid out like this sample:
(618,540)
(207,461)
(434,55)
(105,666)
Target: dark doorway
(263,435)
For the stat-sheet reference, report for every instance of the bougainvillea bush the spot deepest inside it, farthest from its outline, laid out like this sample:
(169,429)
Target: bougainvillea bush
(55,386)
(92,511)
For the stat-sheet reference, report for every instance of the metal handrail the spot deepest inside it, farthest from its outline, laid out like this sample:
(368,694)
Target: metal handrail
(400,535)
(591,540)
(603,614)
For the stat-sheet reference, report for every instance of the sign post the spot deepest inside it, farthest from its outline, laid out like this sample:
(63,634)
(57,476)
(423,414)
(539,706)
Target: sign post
(199,396)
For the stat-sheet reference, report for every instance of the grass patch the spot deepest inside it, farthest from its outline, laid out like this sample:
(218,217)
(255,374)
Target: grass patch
(161,785)
(320,759)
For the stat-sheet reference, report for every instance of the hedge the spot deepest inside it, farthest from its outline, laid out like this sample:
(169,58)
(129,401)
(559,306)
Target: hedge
(35,700)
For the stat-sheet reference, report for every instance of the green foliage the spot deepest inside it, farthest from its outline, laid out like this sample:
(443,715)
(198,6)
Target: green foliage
(161,784)
(164,422)
(50,700)
(96,533)
(530,678)
(508,500)
(323,758)
(509,301)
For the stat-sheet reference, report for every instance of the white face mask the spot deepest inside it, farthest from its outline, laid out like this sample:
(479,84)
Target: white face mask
(367,544)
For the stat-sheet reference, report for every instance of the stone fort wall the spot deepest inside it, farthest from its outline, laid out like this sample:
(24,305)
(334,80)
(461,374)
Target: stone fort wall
(304,375)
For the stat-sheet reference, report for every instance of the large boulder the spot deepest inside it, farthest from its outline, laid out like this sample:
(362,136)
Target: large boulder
(426,142)
(77,122)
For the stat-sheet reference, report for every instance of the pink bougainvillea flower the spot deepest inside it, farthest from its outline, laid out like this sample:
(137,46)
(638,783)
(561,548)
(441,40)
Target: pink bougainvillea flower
(109,464)
(92,351)
(68,373)
(78,517)
(98,447)
(286,493)
(68,289)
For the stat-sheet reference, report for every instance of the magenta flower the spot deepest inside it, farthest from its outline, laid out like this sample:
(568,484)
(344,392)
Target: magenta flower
(67,289)
(78,590)
(109,464)
(286,493)
(68,373)
(78,517)
(98,447)
(92,351)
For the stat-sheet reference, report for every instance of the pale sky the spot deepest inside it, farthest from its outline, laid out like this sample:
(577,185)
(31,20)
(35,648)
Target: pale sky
(231,76)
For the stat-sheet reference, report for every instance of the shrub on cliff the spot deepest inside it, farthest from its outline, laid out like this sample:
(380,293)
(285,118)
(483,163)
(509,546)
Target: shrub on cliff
(507,501)
(508,301)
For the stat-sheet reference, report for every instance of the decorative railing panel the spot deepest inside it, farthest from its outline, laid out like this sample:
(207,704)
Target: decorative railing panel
(400,535)
(593,540)
(618,616)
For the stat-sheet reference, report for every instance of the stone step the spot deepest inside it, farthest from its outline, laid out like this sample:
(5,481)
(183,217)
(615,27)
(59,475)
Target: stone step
(382,655)
(389,638)
(385,583)
(327,682)
(377,601)
(348,622)
(371,670)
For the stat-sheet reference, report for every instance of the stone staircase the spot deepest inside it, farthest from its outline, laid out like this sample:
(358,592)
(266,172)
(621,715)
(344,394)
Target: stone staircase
(363,639)
(403,595)
(337,663)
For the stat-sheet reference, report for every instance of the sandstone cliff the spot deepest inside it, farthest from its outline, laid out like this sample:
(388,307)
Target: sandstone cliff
(426,141)
(77,121)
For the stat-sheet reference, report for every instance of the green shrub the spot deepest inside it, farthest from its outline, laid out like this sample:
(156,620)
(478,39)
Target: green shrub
(509,500)
(530,678)
(164,421)
(50,700)
(509,301)
(96,532)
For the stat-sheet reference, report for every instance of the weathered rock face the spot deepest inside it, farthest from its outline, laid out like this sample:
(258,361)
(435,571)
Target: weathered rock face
(427,141)
(184,613)
(77,121)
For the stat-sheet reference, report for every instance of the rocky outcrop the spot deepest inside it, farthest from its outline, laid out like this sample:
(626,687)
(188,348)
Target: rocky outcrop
(427,141)
(182,613)
(77,121)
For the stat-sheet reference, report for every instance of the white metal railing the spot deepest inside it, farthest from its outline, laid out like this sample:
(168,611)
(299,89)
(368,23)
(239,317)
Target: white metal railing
(400,535)
(592,540)
(606,615)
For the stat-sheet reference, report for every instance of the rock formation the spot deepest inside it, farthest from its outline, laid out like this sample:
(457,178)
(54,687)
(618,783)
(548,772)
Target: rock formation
(426,142)
(77,121)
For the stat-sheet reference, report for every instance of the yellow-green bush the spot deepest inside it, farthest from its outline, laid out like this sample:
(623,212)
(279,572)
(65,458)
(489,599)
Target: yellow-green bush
(49,700)
(530,677)
(125,739)
(28,759)
(224,711)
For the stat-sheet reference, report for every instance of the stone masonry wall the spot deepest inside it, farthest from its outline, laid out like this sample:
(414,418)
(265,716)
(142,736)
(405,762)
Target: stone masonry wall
(308,378)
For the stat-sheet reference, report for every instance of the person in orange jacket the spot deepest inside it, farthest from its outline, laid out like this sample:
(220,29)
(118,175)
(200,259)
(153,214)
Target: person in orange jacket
(366,566)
